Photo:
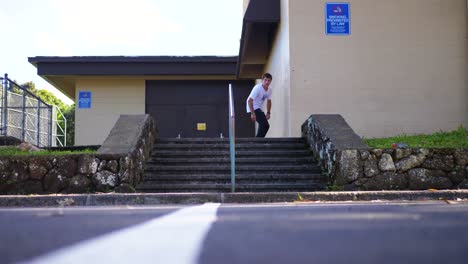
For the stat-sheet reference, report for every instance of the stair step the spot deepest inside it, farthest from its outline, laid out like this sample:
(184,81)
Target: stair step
(227,160)
(223,168)
(203,164)
(223,146)
(226,140)
(239,153)
(239,177)
(228,181)
(225,187)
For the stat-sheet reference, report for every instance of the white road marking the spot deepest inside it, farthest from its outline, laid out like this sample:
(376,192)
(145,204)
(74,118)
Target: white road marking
(174,238)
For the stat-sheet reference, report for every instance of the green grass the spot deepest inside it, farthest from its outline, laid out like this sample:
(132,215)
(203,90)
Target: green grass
(453,139)
(14,151)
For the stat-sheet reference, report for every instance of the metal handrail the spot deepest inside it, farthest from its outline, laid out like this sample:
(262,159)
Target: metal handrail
(28,92)
(232,139)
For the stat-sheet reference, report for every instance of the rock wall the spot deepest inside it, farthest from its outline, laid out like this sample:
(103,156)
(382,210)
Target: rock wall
(402,169)
(80,173)
(76,173)
(352,165)
(327,135)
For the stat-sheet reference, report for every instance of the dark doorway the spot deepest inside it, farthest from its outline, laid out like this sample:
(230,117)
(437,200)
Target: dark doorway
(197,108)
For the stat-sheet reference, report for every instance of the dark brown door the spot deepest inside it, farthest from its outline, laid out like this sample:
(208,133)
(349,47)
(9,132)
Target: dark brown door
(201,121)
(197,108)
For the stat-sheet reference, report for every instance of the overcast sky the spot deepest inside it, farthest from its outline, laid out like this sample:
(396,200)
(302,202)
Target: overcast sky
(113,27)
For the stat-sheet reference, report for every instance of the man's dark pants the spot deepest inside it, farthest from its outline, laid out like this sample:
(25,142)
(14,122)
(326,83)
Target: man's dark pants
(263,124)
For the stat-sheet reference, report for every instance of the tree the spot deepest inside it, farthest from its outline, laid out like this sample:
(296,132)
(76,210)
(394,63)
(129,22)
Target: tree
(70,116)
(29,86)
(51,99)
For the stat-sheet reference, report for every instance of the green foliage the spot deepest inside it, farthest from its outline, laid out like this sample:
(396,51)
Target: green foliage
(454,139)
(70,116)
(29,86)
(335,188)
(299,196)
(14,151)
(50,98)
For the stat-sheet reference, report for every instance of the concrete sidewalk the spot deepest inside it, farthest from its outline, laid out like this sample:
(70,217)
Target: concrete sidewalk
(107,199)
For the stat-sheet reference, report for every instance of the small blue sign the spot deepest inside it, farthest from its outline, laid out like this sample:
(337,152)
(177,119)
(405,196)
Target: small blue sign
(337,19)
(84,99)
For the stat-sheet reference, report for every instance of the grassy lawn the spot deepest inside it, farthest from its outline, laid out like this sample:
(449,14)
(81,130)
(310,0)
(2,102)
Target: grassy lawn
(453,139)
(14,151)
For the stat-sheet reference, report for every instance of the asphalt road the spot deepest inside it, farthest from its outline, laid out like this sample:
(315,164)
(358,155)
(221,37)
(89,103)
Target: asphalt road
(431,232)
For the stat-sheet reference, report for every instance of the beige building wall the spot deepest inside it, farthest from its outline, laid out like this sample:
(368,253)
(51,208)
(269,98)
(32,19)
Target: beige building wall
(278,65)
(403,69)
(245,4)
(111,97)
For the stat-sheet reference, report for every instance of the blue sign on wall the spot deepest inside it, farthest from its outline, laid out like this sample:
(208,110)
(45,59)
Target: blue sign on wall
(84,99)
(337,19)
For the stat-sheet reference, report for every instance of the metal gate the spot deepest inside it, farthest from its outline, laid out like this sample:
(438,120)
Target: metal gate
(25,116)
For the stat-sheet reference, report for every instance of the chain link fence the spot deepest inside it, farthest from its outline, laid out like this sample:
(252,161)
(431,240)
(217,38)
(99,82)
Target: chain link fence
(25,116)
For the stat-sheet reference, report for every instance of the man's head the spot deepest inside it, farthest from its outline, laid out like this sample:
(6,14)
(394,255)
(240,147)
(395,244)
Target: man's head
(266,80)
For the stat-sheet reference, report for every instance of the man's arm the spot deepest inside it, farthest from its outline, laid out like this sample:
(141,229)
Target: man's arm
(252,112)
(268,109)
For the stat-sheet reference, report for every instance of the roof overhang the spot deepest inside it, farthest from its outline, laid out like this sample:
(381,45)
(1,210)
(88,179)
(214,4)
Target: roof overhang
(259,26)
(61,72)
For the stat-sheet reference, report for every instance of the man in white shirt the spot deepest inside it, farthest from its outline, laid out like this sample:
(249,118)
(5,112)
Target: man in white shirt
(255,102)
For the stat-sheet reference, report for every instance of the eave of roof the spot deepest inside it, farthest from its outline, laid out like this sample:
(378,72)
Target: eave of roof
(139,65)
(260,23)
(128,59)
(62,72)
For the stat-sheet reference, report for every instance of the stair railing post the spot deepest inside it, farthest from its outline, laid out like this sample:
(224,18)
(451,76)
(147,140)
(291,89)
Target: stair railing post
(232,140)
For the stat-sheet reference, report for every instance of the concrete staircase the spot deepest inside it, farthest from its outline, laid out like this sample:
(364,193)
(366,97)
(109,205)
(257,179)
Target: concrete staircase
(203,165)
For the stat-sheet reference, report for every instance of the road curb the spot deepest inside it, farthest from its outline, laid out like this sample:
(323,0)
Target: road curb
(116,199)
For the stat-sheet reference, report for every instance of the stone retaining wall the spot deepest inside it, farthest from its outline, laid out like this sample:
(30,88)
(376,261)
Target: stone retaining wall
(352,165)
(402,169)
(76,173)
(105,171)
(327,135)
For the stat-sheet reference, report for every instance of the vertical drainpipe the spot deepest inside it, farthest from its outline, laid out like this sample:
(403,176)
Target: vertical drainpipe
(5,103)
(23,117)
(38,136)
(50,125)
